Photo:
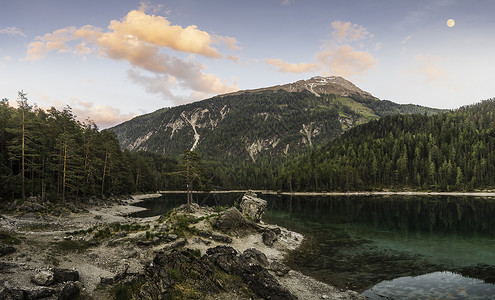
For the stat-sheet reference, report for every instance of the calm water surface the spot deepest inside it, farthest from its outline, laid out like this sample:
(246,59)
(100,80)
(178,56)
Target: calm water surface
(394,247)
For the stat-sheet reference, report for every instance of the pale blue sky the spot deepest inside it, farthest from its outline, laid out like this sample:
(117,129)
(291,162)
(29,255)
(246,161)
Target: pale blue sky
(111,60)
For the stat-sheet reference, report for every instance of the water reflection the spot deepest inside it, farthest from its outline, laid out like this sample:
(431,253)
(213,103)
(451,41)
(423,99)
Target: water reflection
(356,242)
(437,285)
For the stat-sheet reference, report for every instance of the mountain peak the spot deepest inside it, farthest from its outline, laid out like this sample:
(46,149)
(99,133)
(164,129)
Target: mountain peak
(317,85)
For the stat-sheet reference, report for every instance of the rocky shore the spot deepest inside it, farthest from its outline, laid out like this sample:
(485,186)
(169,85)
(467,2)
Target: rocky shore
(95,251)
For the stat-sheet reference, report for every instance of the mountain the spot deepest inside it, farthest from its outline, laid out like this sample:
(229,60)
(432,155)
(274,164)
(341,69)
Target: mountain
(317,85)
(267,122)
(448,151)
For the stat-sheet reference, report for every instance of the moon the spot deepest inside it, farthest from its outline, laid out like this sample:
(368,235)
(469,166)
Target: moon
(450,22)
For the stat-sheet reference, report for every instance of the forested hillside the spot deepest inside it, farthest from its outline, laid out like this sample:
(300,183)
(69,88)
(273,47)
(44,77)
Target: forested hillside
(453,150)
(265,124)
(48,154)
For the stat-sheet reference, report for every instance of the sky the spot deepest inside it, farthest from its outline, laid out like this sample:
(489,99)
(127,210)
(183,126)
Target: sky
(111,60)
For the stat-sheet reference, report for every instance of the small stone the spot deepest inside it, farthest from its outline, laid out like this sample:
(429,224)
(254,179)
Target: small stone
(325,297)
(170,237)
(269,237)
(221,238)
(279,268)
(68,238)
(44,278)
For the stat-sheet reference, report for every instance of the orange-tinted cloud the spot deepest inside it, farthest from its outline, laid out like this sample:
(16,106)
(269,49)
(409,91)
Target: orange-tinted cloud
(345,61)
(229,41)
(346,31)
(158,31)
(336,56)
(56,41)
(431,70)
(286,67)
(139,39)
(103,115)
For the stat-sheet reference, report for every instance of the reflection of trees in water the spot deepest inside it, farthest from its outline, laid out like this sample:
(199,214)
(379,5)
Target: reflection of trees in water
(415,213)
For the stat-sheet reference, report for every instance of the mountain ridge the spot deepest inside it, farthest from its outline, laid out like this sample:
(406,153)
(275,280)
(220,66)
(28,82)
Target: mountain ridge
(268,122)
(317,85)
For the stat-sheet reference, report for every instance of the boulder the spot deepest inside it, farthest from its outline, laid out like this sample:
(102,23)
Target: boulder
(227,258)
(43,277)
(70,291)
(279,268)
(232,221)
(254,256)
(5,250)
(269,237)
(264,284)
(252,206)
(65,275)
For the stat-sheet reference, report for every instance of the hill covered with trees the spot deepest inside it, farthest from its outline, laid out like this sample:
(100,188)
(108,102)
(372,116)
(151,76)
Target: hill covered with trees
(452,150)
(264,124)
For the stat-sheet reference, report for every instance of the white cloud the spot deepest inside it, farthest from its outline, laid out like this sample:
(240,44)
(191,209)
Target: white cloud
(12,31)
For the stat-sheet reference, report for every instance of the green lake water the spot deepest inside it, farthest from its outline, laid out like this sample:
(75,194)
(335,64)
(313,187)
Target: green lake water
(395,247)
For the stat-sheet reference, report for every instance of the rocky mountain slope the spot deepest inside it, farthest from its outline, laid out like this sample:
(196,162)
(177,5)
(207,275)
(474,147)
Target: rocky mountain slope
(270,122)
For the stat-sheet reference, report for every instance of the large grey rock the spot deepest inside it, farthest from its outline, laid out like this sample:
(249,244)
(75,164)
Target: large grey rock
(232,221)
(43,277)
(252,206)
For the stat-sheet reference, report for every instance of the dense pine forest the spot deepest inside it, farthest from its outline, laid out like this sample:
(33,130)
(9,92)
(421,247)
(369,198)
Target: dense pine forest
(448,151)
(51,155)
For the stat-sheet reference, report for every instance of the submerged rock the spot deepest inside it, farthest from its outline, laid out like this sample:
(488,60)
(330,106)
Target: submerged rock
(252,206)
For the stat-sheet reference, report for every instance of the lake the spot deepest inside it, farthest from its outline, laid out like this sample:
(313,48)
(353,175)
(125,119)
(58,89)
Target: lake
(386,247)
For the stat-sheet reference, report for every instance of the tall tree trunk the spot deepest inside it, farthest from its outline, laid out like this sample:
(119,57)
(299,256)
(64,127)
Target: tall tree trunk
(104,172)
(22,156)
(137,180)
(65,171)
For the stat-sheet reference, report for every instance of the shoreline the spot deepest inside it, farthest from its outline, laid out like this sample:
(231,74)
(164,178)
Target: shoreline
(358,193)
(41,239)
